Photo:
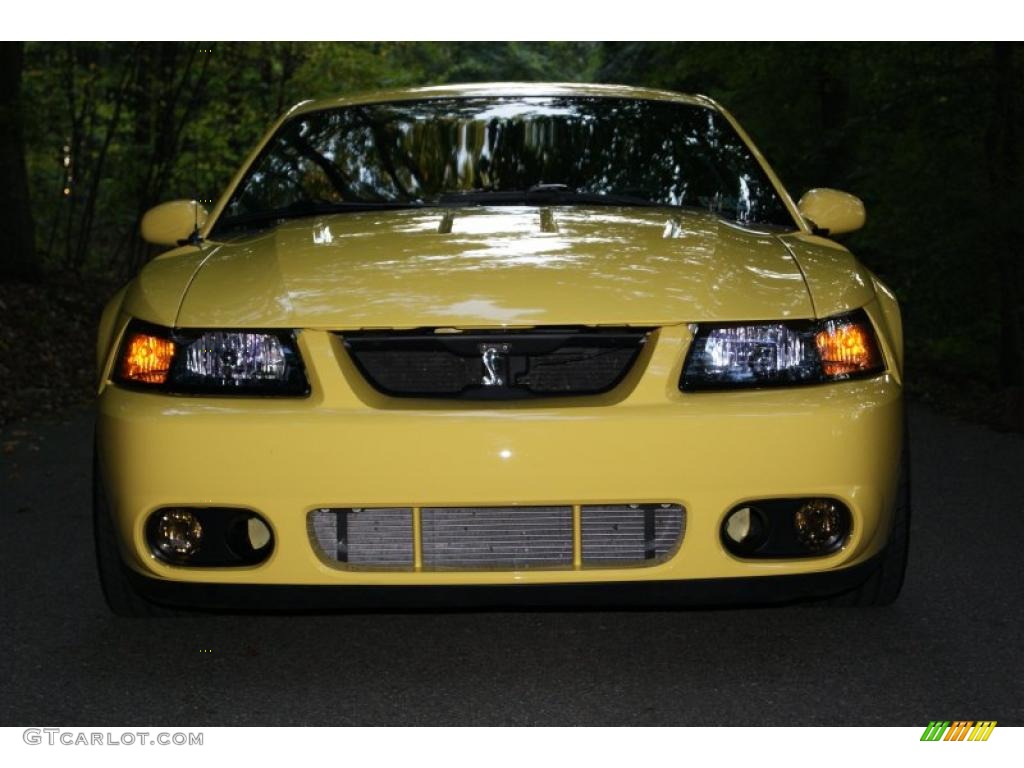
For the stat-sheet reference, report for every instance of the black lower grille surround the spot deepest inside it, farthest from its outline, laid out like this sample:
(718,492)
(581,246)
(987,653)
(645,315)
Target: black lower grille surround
(495,365)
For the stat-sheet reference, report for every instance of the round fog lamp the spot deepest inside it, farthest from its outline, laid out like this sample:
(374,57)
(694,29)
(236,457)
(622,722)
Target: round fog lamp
(819,524)
(178,534)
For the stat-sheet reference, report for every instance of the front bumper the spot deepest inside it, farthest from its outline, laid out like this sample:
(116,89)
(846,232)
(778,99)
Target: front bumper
(611,594)
(347,446)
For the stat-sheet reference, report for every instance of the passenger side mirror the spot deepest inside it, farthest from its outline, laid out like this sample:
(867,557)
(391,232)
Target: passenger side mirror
(175,223)
(831,212)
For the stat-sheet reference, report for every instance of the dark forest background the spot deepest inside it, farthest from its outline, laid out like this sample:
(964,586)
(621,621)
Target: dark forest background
(929,135)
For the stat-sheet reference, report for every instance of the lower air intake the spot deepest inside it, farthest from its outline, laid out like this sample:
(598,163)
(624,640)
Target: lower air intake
(471,538)
(365,537)
(489,538)
(622,534)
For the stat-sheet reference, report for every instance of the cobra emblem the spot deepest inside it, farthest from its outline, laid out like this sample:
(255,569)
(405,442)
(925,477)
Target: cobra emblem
(491,358)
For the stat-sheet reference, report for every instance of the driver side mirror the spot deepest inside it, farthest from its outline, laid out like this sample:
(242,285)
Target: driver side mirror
(831,212)
(174,223)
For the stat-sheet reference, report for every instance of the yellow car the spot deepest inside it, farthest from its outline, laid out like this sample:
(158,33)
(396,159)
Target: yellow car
(501,343)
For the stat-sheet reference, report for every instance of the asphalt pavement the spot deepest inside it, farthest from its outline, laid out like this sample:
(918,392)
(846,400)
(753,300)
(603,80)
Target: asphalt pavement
(951,648)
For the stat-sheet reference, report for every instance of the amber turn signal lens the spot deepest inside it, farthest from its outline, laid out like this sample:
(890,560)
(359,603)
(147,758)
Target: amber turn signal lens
(147,359)
(846,348)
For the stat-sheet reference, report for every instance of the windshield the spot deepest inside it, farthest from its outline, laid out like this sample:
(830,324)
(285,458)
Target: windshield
(562,150)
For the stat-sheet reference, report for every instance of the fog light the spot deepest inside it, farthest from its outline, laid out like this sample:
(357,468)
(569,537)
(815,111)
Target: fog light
(745,529)
(178,534)
(819,524)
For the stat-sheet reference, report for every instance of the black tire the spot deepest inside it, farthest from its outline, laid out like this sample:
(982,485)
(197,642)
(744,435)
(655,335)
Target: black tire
(121,596)
(883,586)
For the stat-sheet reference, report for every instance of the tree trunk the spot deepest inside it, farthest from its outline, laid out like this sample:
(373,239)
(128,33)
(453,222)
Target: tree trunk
(17,229)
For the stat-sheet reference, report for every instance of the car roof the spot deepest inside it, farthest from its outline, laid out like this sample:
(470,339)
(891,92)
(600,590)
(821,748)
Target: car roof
(501,89)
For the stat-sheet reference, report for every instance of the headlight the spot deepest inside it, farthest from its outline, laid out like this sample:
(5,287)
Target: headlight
(211,362)
(766,354)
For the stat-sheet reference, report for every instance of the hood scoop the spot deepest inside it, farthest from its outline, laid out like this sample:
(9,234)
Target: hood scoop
(522,220)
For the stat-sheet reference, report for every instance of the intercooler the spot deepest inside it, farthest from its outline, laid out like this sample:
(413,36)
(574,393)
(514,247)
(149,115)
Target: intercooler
(489,538)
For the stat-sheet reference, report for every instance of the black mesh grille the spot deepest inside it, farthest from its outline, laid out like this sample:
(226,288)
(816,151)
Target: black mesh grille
(496,365)
(414,371)
(575,368)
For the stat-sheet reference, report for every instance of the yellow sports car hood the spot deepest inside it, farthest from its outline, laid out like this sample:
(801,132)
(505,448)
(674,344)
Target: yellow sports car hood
(495,266)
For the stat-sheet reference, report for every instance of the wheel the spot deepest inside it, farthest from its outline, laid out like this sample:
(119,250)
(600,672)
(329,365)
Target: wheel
(121,596)
(884,584)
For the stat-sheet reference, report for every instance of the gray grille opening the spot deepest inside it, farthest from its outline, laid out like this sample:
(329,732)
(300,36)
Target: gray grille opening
(618,534)
(512,538)
(497,537)
(365,537)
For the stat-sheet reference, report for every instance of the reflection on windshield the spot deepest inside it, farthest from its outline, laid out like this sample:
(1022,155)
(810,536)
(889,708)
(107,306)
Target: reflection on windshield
(579,150)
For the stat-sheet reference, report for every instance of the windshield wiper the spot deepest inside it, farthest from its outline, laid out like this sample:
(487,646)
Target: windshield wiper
(540,194)
(261,219)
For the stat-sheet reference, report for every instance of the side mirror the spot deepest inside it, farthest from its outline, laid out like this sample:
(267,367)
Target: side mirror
(172,223)
(832,212)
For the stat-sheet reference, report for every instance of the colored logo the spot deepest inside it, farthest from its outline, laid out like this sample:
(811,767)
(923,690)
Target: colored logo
(959,730)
